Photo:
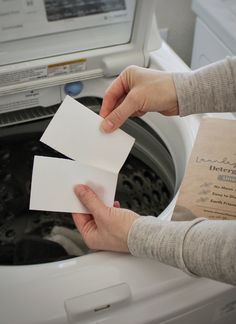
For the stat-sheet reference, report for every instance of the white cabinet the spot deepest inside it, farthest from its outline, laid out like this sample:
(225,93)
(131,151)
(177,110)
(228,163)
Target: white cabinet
(215,36)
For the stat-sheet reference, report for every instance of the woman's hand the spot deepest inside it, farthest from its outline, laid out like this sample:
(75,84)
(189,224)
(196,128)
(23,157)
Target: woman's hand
(136,91)
(105,228)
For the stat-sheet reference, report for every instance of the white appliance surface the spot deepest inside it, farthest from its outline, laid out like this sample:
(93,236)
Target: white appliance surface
(207,46)
(25,23)
(108,287)
(214,36)
(220,16)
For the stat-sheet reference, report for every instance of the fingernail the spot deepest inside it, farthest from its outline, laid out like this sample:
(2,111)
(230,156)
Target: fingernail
(80,189)
(107,125)
(116,204)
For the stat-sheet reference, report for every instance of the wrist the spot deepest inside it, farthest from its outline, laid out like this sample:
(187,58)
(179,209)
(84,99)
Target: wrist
(126,225)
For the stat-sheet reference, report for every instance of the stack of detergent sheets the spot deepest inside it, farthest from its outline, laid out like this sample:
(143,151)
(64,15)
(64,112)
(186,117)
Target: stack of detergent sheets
(95,160)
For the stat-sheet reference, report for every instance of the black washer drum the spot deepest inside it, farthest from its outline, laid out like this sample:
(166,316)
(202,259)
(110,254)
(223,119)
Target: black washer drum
(146,182)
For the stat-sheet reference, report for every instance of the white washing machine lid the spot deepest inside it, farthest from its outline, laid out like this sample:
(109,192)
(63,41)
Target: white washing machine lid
(220,16)
(45,44)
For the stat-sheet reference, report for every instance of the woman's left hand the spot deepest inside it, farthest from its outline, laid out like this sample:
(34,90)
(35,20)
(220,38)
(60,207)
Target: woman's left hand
(105,228)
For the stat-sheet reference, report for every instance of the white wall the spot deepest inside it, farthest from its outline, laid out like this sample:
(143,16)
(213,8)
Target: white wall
(177,16)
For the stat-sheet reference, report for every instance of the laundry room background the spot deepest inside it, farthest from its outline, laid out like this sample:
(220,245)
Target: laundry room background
(176,19)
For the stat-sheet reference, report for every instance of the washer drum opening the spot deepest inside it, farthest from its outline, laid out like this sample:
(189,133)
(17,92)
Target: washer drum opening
(146,185)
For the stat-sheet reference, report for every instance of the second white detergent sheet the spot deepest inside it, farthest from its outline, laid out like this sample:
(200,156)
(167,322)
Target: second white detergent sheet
(97,159)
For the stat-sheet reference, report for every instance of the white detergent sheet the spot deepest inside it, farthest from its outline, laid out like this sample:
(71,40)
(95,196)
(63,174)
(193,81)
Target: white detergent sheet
(97,159)
(75,132)
(54,179)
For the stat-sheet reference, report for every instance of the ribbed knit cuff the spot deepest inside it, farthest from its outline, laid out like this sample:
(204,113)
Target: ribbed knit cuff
(208,89)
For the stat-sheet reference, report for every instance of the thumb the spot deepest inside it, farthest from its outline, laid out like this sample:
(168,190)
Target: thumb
(120,114)
(90,200)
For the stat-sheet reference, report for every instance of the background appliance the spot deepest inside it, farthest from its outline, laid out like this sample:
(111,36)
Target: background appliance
(214,37)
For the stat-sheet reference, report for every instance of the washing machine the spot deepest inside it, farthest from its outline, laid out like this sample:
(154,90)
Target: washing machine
(50,49)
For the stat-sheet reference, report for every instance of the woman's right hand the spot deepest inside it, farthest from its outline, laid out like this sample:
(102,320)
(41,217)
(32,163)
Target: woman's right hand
(136,91)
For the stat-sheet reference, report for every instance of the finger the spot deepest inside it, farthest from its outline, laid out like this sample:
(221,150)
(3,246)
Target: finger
(116,104)
(81,220)
(116,204)
(119,115)
(90,200)
(112,96)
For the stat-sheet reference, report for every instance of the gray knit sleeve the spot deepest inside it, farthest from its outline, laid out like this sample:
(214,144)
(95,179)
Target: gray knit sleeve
(208,89)
(199,247)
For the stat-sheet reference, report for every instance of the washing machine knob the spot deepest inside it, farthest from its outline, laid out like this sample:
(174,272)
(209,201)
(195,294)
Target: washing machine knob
(73,88)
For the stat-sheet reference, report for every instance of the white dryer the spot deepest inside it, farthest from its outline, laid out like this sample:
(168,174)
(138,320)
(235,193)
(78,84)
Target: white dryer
(58,58)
